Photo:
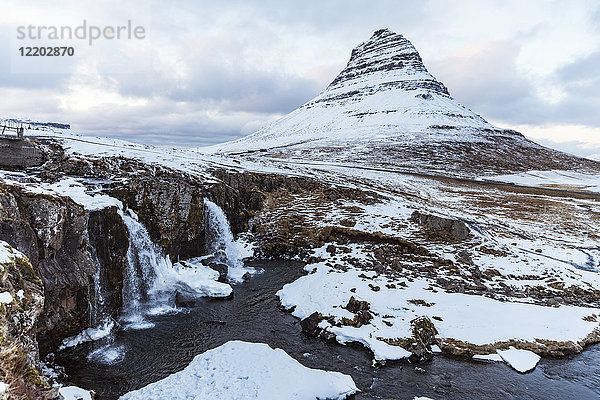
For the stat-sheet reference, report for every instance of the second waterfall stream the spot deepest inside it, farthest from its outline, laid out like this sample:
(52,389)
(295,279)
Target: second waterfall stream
(220,241)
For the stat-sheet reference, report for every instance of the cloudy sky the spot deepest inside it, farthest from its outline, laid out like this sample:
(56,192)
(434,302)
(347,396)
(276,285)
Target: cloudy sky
(211,71)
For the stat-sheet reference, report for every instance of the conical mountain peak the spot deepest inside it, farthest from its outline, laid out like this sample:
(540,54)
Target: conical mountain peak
(384,93)
(388,57)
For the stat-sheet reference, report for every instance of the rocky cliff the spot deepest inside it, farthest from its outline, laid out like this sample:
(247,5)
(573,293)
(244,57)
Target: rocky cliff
(52,233)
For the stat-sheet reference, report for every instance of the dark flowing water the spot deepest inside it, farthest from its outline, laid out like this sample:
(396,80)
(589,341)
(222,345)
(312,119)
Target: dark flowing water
(254,315)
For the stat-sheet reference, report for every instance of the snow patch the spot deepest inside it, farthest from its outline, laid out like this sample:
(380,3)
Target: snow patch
(242,370)
(74,393)
(573,180)
(473,319)
(6,298)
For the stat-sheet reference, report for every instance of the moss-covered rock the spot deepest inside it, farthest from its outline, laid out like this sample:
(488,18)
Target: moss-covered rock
(19,354)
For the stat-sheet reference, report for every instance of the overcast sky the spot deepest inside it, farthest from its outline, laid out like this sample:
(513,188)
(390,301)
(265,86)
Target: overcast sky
(211,71)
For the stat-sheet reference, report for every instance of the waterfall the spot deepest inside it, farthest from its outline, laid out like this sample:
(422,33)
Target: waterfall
(220,241)
(151,282)
(99,318)
(100,324)
(146,273)
(98,315)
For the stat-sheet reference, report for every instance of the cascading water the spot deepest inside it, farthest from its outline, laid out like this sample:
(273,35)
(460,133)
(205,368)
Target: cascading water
(146,274)
(99,318)
(220,241)
(147,270)
(100,323)
(151,283)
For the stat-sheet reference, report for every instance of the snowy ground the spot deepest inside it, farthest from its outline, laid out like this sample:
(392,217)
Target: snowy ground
(571,180)
(396,301)
(538,252)
(241,370)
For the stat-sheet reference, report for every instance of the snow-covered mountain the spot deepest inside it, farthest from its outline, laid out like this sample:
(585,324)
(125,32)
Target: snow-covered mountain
(384,91)
(385,108)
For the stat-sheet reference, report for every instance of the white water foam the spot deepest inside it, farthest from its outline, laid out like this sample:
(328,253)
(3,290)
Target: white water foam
(219,239)
(146,274)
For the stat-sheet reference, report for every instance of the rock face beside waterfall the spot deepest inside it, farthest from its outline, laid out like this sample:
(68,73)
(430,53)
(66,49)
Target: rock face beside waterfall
(109,241)
(171,207)
(51,232)
(385,108)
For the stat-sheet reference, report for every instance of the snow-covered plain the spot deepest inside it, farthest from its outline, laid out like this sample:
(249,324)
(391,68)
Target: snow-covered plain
(572,180)
(557,245)
(245,371)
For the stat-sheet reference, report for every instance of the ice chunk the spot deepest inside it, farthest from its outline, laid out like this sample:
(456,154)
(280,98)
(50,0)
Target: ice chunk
(487,357)
(520,360)
(74,393)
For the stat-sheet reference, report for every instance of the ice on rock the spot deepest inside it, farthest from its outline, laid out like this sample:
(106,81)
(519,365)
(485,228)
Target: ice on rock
(487,357)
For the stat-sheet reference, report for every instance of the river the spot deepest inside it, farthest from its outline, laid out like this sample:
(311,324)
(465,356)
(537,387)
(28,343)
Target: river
(254,315)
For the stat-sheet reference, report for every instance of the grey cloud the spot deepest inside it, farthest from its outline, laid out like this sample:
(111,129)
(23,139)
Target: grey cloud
(219,94)
(489,83)
(160,123)
(12,78)
(574,147)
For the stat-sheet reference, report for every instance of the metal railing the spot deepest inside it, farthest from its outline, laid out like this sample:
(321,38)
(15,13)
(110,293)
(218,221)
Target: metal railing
(7,127)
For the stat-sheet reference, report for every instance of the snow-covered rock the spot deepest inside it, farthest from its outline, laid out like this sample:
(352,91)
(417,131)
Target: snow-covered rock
(74,393)
(521,360)
(241,370)
(200,278)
